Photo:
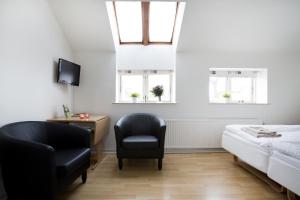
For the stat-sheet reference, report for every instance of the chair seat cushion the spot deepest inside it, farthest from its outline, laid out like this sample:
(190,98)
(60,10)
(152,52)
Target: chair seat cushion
(140,142)
(68,161)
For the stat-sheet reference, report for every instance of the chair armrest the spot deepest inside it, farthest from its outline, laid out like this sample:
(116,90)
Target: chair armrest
(119,135)
(162,132)
(161,122)
(62,136)
(28,163)
(120,131)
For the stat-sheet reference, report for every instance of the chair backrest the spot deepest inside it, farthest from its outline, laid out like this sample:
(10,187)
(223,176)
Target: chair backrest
(29,131)
(20,170)
(141,124)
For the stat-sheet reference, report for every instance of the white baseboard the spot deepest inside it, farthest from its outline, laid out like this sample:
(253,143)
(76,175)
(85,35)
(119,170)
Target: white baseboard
(193,150)
(182,150)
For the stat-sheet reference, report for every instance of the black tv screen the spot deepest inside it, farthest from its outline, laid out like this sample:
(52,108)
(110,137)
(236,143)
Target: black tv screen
(68,72)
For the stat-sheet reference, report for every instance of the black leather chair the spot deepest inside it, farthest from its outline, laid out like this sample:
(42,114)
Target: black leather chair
(140,135)
(39,159)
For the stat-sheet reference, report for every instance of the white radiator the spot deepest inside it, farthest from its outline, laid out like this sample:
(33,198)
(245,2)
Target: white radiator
(199,133)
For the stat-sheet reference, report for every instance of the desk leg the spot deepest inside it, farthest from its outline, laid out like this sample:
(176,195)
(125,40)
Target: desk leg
(97,155)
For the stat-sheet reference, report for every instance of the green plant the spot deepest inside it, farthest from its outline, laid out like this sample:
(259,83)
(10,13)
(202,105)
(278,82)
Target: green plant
(134,95)
(158,91)
(226,95)
(67,111)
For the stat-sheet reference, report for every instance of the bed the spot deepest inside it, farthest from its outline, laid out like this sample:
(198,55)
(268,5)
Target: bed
(254,151)
(278,158)
(285,169)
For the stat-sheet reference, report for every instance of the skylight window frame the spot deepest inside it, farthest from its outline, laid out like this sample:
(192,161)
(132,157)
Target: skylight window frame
(145,9)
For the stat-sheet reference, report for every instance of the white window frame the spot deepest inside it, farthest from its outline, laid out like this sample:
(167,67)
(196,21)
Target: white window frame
(229,73)
(145,74)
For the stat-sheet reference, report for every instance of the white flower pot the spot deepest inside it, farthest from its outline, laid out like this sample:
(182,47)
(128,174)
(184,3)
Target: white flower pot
(134,99)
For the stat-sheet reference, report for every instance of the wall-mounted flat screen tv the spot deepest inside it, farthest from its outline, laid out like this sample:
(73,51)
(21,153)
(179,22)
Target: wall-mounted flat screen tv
(68,72)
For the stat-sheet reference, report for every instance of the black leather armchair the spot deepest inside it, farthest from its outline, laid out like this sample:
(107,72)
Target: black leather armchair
(140,135)
(39,159)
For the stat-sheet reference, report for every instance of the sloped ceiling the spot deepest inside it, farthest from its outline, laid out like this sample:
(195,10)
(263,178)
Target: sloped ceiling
(241,25)
(85,24)
(208,25)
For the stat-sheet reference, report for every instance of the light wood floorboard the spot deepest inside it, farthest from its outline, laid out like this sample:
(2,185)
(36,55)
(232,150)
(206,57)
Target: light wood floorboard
(207,176)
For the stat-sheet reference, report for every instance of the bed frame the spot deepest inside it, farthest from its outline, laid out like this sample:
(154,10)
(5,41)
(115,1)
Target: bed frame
(262,176)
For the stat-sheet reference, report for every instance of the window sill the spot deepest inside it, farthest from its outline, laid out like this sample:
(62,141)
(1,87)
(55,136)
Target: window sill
(145,103)
(238,103)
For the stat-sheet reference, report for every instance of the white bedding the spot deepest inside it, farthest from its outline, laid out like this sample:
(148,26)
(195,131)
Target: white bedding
(290,148)
(285,170)
(288,143)
(250,152)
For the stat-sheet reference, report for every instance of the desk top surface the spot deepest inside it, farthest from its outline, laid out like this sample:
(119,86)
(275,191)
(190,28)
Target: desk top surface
(92,118)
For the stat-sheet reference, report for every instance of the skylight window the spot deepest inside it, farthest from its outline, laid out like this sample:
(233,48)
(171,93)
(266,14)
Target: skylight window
(129,19)
(145,22)
(162,20)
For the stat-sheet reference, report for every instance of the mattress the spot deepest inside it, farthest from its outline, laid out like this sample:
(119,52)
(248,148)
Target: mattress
(256,151)
(285,170)
(246,150)
(290,148)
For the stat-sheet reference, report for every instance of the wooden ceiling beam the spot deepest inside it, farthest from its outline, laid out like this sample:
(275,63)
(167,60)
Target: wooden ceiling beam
(145,18)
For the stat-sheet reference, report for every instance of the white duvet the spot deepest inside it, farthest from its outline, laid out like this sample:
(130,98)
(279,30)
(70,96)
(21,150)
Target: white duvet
(288,143)
(287,147)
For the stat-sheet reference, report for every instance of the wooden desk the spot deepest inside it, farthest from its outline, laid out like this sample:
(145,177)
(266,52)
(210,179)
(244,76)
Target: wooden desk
(99,124)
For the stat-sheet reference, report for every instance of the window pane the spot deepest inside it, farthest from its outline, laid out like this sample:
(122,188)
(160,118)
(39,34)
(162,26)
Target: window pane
(217,88)
(131,84)
(161,21)
(241,85)
(159,79)
(129,16)
(241,89)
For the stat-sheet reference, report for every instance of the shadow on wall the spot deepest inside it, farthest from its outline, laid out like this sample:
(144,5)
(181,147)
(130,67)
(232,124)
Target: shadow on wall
(2,191)
(55,71)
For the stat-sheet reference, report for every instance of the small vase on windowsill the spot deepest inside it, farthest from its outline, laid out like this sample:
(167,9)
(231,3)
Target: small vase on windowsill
(227,97)
(159,98)
(134,99)
(227,100)
(134,96)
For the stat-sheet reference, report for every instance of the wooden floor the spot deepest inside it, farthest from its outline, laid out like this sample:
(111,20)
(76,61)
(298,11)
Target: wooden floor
(207,176)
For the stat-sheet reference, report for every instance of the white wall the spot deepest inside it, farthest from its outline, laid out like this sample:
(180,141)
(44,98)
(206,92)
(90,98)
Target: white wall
(97,89)
(145,57)
(30,44)
(214,34)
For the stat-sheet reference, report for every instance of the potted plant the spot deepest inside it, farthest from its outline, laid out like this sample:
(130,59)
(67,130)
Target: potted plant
(158,91)
(227,96)
(134,96)
(67,111)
